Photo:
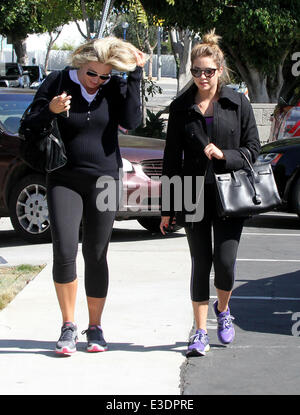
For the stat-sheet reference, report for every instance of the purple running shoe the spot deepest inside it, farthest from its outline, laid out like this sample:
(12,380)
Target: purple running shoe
(226,330)
(198,344)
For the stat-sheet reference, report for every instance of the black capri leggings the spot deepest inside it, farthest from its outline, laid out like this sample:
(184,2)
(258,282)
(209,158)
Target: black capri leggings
(226,237)
(72,199)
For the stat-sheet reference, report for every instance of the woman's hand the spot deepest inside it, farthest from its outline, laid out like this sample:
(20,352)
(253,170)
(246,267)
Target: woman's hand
(60,103)
(140,57)
(165,223)
(212,151)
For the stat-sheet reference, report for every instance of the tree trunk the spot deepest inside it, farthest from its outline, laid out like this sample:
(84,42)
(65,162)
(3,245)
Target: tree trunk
(150,68)
(150,50)
(181,42)
(257,86)
(19,46)
(262,88)
(52,40)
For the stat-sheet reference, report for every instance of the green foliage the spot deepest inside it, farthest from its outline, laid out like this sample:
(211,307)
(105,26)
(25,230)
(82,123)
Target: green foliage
(24,17)
(64,46)
(257,30)
(154,126)
(136,32)
(150,88)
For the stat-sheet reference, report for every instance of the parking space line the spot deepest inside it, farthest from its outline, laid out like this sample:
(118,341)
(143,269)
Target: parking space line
(254,297)
(271,234)
(267,260)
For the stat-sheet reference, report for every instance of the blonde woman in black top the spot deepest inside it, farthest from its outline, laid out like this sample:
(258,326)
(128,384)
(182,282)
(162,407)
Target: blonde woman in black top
(90,106)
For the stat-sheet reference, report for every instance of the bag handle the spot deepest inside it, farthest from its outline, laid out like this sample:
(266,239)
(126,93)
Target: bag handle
(255,178)
(248,160)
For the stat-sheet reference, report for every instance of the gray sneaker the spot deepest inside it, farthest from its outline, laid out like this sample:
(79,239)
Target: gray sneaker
(67,342)
(95,339)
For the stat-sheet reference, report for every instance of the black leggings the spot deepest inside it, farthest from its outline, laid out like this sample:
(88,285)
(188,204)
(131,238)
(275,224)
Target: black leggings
(226,237)
(72,199)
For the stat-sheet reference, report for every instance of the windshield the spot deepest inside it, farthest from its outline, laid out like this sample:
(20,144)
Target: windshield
(12,107)
(290,126)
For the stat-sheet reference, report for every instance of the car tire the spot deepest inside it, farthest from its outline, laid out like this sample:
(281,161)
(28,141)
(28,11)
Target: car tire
(296,197)
(29,210)
(152,224)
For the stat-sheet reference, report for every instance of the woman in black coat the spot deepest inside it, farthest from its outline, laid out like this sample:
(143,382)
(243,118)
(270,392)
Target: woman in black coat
(208,125)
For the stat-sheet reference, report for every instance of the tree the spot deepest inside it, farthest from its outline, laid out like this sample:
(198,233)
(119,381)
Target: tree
(256,34)
(25,17)
(28,16)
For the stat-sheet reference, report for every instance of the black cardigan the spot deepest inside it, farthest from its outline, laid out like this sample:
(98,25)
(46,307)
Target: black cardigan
(233,127)
(90,134)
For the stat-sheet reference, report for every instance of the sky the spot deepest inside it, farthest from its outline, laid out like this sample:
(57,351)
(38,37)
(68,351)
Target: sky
(69,34)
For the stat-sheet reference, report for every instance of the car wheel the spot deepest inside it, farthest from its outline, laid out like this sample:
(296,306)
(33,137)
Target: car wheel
(296,197)
(29,210)
(152,224)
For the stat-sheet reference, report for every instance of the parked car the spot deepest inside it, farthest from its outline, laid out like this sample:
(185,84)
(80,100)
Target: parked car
(242,88)
(23,191)
(285,121)
(13,75)
(284,155)
(36,74)
(283,147)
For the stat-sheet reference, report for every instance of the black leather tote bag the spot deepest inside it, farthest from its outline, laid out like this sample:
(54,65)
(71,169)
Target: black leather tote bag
(247,191)
(43,150)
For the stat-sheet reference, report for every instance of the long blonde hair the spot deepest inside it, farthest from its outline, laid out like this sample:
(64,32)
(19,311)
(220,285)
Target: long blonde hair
(210,47)
(110,51)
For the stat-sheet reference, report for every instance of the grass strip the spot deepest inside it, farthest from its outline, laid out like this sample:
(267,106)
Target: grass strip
(14,279)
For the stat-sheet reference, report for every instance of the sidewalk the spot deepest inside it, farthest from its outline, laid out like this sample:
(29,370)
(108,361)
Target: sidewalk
(146,322)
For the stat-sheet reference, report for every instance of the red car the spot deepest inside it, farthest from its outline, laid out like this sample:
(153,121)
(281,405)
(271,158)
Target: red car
(23,190)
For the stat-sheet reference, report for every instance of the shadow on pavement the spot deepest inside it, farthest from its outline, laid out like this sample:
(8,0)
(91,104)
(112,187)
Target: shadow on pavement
(275,221)
(11,238)
(47,348)
(272,314)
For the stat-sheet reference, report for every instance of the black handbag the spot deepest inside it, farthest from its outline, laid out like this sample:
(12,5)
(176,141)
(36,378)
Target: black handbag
(247,191)
(43,150)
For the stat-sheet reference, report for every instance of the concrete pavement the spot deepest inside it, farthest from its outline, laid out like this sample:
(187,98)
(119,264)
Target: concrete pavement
(148,318)
(146,322)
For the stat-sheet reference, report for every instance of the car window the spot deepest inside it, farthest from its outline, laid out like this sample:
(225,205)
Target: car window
(33,72)
(12,107)
(7,69)
(290,126)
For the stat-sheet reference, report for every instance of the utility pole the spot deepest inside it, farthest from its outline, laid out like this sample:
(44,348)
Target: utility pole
(104,17)
(159,52)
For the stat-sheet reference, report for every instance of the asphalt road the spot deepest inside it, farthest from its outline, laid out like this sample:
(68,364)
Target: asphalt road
(263,359)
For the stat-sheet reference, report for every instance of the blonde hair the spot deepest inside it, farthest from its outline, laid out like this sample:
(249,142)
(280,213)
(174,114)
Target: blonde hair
(110,51)
(210,47)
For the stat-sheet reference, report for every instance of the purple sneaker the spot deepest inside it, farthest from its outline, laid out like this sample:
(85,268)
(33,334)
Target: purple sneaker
(198,344)
(225,327)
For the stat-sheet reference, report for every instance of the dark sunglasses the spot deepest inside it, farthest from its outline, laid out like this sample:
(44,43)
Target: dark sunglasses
(208,72)
(94,74)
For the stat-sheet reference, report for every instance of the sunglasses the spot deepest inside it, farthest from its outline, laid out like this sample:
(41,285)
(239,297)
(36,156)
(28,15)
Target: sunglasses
(208,72)
(94,74)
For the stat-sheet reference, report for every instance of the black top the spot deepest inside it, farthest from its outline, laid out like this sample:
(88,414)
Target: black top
(233,127)
(90,133)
